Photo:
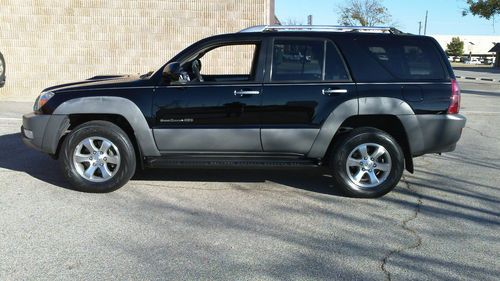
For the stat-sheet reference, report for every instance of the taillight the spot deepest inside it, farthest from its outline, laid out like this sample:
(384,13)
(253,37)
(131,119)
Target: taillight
(454,107)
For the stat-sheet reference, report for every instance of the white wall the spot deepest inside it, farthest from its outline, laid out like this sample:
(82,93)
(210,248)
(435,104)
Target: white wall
(482,44)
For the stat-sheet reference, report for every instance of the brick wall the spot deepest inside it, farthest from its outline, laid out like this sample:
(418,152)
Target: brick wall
(47,42)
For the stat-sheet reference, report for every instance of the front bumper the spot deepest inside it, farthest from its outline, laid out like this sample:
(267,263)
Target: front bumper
(434,133)
(43,132)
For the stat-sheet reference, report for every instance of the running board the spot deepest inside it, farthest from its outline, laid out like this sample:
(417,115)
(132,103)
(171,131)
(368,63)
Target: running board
(228,161)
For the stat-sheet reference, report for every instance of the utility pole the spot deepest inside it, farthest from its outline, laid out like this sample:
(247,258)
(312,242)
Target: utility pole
(309,20)
(425,25)
(420,28)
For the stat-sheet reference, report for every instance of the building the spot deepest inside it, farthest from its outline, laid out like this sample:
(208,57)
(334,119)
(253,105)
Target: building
(474,45)
(47,42)
(496,50)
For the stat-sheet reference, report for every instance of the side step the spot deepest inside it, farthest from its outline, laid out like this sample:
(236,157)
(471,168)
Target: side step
(229,161)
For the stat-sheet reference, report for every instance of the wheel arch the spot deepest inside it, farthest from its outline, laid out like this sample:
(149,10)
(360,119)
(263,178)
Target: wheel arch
(390,124)
(366,112)
(78,119)
(120,111)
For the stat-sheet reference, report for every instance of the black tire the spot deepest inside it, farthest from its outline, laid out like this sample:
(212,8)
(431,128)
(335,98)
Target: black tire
(98,129)
(349,143)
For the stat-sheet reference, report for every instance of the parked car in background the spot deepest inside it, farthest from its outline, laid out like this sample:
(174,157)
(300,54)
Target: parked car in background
(488,61)
(472,61)
(2,70)
(360,104)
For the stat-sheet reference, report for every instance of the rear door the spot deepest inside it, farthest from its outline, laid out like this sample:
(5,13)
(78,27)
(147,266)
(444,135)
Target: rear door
(306,80)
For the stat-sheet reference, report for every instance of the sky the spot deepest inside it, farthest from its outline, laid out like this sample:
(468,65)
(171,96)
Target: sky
(445,16)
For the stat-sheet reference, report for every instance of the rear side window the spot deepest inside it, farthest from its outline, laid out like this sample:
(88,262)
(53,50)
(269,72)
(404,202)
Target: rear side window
(298,60)
(406,59)
(335,69)
(301,60)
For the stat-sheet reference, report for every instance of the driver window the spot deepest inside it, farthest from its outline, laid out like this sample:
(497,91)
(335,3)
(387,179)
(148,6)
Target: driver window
(228,63)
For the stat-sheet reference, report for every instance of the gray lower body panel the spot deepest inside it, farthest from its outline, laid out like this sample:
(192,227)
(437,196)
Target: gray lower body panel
(201,139)
(433,133)
(290,140)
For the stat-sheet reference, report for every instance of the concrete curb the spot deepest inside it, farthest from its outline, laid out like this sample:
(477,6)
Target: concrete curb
(478,78)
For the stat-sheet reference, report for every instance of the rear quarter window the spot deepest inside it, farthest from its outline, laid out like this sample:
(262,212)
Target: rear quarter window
(406,59)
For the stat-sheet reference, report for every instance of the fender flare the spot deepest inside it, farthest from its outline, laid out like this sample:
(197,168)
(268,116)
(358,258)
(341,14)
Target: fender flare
(367,106)
(118,106)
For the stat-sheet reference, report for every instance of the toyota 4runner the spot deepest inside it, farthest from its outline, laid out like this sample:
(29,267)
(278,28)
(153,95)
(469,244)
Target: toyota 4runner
(362,102)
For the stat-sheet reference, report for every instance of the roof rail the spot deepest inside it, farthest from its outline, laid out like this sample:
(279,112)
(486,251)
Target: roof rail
(324,28)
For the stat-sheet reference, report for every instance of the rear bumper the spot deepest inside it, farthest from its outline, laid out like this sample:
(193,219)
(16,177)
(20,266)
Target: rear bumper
(43,132)
(433,133)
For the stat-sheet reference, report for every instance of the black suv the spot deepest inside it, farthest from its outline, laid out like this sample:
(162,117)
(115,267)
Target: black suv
(361,101)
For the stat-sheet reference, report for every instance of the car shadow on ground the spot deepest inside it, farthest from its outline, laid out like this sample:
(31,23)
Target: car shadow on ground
(18,157)
(309,179)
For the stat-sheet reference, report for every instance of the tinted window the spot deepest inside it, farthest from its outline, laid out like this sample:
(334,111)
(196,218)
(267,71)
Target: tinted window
(305,61)
(297,60)
(335,68)
(406,59)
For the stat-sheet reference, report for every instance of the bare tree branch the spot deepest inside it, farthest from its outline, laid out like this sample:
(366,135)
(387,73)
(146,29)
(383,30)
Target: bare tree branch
(364,13)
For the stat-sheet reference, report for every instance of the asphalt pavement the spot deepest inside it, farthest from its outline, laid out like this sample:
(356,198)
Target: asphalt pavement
(440,223)
(478,73)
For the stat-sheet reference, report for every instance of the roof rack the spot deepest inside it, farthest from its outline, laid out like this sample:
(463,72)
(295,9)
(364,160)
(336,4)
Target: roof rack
(323,28)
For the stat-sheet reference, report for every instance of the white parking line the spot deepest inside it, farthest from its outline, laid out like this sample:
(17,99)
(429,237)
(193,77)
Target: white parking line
(11,119)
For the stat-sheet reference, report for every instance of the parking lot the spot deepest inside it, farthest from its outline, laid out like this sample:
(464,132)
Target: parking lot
(442,222)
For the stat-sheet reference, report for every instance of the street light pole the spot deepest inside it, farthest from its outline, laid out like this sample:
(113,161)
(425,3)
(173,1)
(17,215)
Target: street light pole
(470,49)
(425,25)
(420,28)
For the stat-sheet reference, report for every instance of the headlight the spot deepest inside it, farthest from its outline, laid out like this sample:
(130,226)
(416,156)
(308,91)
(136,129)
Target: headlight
(42,99)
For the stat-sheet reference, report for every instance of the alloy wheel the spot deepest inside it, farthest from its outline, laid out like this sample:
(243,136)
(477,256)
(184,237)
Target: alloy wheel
(368,165)
(96,159)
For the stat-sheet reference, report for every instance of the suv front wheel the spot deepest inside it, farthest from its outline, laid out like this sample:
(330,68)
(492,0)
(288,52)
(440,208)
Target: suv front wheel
(367,162)
(98,156)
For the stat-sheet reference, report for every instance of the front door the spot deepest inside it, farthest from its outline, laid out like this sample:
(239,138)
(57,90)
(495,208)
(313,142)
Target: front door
(307,80)
(217,110)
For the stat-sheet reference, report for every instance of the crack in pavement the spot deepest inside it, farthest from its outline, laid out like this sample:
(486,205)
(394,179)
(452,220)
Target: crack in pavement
(404,224)
(481,133)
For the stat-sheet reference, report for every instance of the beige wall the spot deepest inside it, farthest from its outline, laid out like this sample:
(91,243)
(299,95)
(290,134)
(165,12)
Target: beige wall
(47,42)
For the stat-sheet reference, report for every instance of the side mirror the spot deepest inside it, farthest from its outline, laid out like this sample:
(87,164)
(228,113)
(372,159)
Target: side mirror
(174,73)
(2,71)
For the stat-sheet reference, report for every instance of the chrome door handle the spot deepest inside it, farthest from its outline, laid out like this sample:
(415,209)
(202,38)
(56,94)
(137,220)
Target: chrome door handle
(245,92)
(328,92)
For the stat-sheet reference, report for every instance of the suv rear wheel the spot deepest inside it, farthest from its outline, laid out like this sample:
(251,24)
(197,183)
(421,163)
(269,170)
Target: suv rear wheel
(367,162)
(98,156)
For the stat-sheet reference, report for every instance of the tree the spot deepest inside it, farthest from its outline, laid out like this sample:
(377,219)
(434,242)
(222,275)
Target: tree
(483,8)
(364,13)
(455,48)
